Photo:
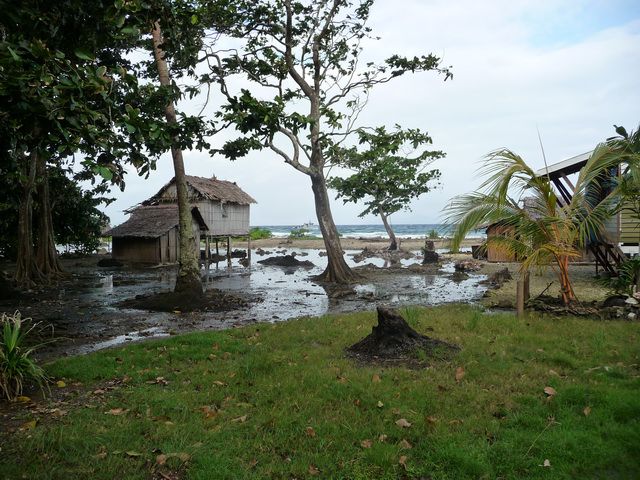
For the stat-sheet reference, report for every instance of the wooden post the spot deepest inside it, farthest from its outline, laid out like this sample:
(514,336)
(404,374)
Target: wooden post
(217,250)
(249,250)
(229,252)
(207,243)
(522,292)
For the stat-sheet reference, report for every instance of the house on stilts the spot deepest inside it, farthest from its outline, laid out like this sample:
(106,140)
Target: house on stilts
(220,210)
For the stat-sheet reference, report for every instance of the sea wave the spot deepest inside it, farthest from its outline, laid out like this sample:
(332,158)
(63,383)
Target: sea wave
(374,231)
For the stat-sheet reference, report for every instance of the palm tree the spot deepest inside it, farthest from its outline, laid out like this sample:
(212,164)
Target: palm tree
(545,230)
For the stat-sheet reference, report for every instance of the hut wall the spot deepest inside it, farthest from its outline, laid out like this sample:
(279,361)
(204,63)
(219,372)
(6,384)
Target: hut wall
(135,249)
(227,219)
(629,228)
(493,254)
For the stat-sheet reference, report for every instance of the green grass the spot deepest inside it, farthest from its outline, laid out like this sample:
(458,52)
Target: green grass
(495,422)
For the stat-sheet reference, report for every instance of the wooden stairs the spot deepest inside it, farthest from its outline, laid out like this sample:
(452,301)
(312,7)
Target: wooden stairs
(608,255)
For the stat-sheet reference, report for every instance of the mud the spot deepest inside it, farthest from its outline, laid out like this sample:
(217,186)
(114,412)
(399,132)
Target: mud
(86,312)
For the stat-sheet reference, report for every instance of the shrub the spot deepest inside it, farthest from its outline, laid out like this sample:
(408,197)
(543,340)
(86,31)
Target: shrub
(433,234)
(257,233)
(299,232)
(627,276)
(16,364)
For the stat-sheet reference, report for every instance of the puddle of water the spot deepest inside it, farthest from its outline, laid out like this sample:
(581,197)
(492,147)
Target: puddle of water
(153,332)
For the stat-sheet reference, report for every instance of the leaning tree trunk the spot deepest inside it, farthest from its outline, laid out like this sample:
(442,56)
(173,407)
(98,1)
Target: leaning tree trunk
(337,270)
(392,236)
(27,273)
(46,255)
(188,270)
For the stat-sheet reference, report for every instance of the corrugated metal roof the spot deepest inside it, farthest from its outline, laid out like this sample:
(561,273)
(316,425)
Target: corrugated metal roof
(567,167)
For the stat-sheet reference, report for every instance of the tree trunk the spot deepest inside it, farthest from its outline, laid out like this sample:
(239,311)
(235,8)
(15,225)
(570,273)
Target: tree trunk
(46,255)
(188,279)
(27,274)
(392,236)
(566,289)
(337,270)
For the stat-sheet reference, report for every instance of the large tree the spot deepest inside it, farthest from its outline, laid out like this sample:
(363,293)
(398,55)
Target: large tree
(388,172)
(307,54)
(65,88)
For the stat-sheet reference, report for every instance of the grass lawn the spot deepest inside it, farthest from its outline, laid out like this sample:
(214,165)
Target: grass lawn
(280,401)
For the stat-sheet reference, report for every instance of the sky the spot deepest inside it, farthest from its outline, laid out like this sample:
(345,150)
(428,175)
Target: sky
(566,68)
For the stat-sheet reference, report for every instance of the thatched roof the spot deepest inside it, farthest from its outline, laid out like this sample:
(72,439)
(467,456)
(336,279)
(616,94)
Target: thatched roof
(211,189)
(152,221)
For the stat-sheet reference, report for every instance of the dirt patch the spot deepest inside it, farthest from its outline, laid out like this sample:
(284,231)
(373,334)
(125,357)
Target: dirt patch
(394,342)
(289,261)
(211,300)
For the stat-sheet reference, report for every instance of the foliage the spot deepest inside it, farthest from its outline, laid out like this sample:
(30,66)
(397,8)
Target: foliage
(433,234)
(77,222)
(540,230)
(16,365)
(271,400)
(628,274)
(299,232)
(386,174)
(626,147)
(258,233)
(303,58)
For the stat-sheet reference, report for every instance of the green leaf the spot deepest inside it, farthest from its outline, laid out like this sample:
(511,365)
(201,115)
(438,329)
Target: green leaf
(83,54)
(130,128)
(15,56)
(194,19)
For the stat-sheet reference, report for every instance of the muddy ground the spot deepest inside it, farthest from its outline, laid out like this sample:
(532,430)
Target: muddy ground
(85,313)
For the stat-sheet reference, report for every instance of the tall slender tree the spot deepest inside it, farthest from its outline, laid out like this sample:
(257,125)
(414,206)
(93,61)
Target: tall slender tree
(307,53)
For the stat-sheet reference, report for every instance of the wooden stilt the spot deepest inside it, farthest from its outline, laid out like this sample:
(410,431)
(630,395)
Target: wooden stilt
(217,250)
(207,243)
(520,296)
(229,252)
(249,250)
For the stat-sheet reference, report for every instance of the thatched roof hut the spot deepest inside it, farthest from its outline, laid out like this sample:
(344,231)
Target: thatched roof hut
(150,235)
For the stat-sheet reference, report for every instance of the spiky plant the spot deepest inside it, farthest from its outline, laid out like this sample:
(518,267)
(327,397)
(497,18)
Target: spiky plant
(546,231)
(16,364)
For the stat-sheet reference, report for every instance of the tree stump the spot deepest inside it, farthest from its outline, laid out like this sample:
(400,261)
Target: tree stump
(394,341)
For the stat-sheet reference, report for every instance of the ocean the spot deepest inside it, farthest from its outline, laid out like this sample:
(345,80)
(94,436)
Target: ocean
(402,230)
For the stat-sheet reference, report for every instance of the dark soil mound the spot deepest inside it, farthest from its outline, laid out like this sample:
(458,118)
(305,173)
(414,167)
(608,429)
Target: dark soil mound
(496,279)
(109,262)
(393,341)
(286,261)
(212,300)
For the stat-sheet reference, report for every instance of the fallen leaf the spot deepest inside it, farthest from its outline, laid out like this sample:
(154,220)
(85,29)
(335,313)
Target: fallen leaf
(456,421)
(431,419)
(241,419)
(366,443)
(405,444)
(60,384)
(554,373)
(98,391)
(375,378)
(586,411)
(402,423)
(459,374)
(403,461)
(313,470)
(30,425)
(341,379)
(382,438)
(209,412)
(357,402)
(133,453)
(380,404)
(218,383)
(310,432)
(161,459)
(253,462)
(23,399)
(116,411)
(550,391)
(546,463)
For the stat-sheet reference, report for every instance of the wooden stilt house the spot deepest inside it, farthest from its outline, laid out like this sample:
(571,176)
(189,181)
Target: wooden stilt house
(220,209)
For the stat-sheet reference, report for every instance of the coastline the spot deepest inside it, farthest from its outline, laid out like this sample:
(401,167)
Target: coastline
(349,243)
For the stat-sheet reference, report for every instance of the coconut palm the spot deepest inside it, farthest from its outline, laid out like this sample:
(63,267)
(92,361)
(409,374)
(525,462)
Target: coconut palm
(542,230)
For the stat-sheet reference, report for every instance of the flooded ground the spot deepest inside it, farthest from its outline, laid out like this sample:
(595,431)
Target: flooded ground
(83,314)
